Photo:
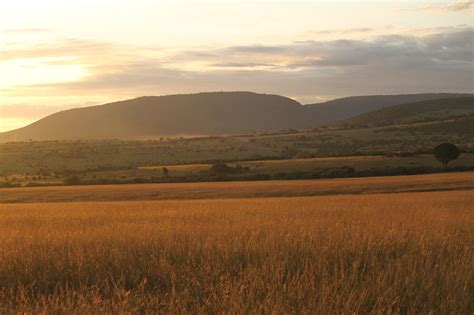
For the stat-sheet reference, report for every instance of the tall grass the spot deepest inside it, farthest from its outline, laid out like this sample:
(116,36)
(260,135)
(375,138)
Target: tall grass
(244,189)
(408,253)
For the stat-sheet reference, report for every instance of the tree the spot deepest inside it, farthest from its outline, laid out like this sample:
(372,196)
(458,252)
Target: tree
(165,171)
(446,152)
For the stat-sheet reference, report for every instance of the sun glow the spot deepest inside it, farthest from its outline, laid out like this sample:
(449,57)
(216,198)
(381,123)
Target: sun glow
(39,71)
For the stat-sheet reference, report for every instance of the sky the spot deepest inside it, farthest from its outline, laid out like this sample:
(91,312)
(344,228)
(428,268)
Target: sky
(57,54)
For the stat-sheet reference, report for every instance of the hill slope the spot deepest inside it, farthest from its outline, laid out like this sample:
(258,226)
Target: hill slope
(433,111)
(203,114)
(196,114)
(348,107)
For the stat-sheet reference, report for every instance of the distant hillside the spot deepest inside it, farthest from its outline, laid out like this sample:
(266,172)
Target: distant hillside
(348,107)
(195,114)
(441,110)
(203,114)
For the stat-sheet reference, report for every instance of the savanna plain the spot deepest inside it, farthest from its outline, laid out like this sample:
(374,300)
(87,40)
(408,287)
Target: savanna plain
(407,252)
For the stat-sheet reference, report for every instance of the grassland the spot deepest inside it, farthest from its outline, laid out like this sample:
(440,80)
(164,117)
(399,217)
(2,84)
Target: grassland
(308,165)
(253,189)
(280,169)
(54,161)
(381,253)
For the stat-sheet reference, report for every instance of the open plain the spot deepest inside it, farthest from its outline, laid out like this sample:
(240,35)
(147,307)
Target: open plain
(405,252)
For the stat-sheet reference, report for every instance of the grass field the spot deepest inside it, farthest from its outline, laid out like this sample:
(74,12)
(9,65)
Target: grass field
(54,161)
(255,189)
(294,168)
(311,164)
(381,253)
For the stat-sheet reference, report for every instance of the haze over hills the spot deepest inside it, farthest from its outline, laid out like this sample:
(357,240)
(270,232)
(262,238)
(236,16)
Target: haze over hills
(344,108)
(202,114)
(432,111)
(145,117)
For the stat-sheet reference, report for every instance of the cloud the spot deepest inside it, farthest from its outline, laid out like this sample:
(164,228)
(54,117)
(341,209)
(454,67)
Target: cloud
(455,6)
(61,48)
(345,31)
(24,31)
(255,49)
(462,6)
(241,65)
(451,47)
(387,64)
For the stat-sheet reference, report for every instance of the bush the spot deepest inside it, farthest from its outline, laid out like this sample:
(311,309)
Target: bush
(8,185)
(73,180)
(222,168)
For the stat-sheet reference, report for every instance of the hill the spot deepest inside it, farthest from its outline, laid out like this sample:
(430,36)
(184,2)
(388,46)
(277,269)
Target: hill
(202,114)
(433,111)
(348,107)
(217,113)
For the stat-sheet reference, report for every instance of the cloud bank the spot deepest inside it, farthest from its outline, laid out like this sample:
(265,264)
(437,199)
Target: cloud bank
(305,70)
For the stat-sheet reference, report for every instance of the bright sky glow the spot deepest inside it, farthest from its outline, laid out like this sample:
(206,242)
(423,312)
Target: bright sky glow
(60,54)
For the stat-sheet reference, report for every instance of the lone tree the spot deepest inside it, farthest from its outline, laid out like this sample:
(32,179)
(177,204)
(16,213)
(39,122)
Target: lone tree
(446,152)
(165,171)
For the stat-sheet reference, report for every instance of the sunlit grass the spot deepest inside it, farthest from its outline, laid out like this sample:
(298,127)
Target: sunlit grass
(336,254)
(243,189)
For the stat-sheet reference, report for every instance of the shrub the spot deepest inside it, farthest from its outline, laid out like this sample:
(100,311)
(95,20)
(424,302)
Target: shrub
(222,168)
(73,180)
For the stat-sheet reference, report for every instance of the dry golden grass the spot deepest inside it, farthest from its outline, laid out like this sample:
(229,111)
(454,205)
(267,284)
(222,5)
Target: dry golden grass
(256,189)
(408,252)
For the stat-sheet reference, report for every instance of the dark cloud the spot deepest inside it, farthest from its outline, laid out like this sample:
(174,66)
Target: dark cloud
(256,49)
(453,47)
